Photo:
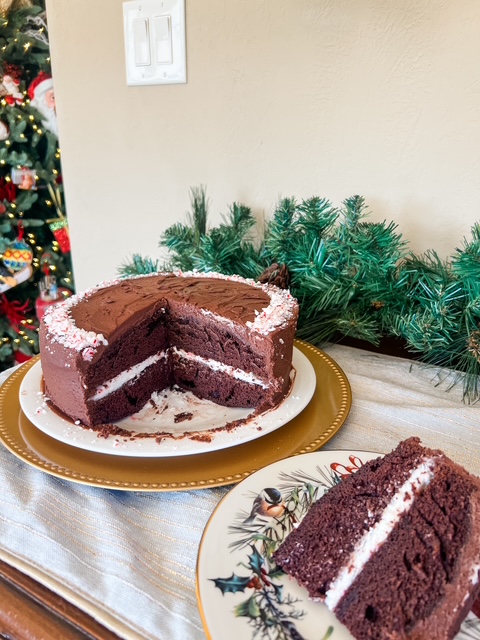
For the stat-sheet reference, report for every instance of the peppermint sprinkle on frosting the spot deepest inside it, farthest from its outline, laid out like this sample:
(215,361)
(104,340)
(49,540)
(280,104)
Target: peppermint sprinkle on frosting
(62,328)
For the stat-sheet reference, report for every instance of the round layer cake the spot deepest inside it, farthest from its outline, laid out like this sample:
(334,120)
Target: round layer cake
(224,338)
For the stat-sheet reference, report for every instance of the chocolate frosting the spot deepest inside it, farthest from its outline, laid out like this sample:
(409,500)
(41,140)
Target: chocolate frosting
(110,307)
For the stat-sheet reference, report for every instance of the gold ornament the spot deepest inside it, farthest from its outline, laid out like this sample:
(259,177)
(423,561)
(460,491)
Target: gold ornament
(13,5)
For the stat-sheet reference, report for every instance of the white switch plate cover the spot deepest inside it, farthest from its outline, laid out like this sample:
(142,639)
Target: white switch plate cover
(174,72)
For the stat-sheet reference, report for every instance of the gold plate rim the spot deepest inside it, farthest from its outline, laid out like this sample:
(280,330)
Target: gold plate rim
(308,432)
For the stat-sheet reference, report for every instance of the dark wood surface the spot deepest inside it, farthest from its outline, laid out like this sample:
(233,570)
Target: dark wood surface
(30,611)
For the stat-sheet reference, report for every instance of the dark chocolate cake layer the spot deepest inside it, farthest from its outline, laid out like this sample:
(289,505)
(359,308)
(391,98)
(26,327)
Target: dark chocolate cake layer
(350,509)
(224,338)
(393,550)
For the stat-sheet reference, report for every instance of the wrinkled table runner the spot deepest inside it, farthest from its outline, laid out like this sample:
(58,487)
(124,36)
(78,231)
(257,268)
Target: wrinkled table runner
(128,559)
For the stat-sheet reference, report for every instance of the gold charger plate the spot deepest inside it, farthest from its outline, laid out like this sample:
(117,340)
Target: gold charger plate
(310,430)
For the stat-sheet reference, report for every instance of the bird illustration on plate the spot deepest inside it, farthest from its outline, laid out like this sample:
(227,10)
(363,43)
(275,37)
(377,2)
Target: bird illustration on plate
(267,504)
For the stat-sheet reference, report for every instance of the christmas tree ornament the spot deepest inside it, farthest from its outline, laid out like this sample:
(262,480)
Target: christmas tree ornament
(4,130)
(10,90)
(11,69)
(48,294)
(61,232)
(21,357)
(42,98)
(18,253)
(49,291)
(10,279)
(59,226)
(15,311)
(24,178)
(13,5)
(8,190)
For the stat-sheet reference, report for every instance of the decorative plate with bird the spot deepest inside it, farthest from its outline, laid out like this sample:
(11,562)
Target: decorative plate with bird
(241,592)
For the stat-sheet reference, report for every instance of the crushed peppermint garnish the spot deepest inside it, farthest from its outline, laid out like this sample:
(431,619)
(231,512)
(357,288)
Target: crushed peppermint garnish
(62,328)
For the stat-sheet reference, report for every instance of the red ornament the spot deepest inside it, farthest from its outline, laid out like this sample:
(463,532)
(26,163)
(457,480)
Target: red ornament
(42,304)
(11,69)
(13,310)
(8,191)
(20,357)
(61,232)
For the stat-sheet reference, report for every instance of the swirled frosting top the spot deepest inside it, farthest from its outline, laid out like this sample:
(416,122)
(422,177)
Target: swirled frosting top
(89,319)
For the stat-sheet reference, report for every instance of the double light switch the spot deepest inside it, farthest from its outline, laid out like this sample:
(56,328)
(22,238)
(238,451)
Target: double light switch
(155,41)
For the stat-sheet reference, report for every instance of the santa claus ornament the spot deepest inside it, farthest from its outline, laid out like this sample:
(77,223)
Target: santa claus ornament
(42,98)
(10,90)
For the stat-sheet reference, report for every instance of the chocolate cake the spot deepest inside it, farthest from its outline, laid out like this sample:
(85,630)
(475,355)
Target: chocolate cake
(394,549)
(227,339)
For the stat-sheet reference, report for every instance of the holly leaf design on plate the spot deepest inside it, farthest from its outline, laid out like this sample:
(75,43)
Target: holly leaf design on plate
(234,584)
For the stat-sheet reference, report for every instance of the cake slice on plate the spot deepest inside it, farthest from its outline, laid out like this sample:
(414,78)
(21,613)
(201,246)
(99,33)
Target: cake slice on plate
(394,549)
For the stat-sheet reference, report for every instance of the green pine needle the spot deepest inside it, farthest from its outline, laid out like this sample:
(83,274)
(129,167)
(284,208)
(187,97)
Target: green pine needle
(138,266)
(351,276)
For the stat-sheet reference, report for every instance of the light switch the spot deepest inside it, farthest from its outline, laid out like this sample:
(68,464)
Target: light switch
(141,42)
(163,39)
(155,44)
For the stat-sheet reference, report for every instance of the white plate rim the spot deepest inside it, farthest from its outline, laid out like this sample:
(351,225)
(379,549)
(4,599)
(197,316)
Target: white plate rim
(216,559)
(52,424)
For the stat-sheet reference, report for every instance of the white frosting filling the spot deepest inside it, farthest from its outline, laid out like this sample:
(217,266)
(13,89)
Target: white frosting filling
(128,375)
(215,365)
(117,382)
(371,541)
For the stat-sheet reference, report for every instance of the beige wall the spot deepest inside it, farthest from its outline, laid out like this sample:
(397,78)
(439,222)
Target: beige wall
(284,98)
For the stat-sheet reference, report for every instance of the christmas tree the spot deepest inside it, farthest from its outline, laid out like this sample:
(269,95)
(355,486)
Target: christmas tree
(35,265)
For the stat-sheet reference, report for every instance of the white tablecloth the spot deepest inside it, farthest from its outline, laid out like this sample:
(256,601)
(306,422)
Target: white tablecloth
(129,558)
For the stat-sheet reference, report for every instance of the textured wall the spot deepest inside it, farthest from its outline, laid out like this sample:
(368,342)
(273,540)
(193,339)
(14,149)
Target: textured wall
(284,98)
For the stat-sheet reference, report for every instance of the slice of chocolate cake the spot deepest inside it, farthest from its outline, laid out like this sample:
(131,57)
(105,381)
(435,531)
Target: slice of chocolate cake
(394,549)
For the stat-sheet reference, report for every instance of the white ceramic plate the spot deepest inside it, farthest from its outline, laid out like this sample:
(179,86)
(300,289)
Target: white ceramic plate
(237,585)
(195,435)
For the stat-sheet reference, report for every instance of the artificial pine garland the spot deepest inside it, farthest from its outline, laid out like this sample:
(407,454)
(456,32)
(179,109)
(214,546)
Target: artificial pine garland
(352,277)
